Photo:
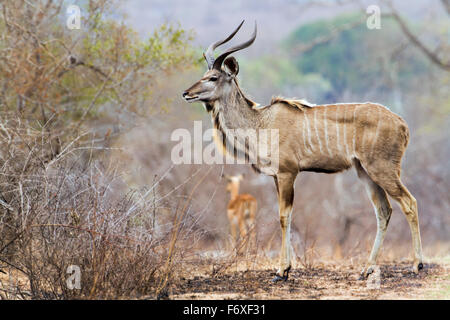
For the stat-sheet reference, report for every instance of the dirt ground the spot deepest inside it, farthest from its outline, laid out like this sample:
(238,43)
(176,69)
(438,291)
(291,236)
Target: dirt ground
(250,278)
(326,280)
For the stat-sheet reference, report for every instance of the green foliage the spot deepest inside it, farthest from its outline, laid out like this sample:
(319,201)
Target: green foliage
(138,62)
(357,59)
(113,69)
(276,72)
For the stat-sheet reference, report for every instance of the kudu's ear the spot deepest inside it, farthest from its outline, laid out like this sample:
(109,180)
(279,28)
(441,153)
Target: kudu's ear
(231,66)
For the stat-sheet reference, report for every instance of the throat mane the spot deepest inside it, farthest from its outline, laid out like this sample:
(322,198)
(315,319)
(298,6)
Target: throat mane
(226,130)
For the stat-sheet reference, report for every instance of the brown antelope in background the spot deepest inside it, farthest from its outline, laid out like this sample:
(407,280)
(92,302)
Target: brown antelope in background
(241,210)
(324,138)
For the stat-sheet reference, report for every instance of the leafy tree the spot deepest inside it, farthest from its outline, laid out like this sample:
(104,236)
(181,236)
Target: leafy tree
(272,75)
(356,58)
(49,72)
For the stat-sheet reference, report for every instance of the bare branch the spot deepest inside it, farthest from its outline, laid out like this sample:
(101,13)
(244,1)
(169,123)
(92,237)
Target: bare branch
(432,55)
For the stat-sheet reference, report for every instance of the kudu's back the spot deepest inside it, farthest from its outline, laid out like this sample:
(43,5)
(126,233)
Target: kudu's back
(328,138)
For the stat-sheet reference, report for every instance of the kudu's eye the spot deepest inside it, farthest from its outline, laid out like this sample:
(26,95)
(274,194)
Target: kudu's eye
(213,79)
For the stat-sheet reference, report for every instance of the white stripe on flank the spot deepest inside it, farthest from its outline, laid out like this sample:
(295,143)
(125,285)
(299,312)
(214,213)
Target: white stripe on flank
(376,132)
(307,150)
(326,131)
(345,132)
(309,131)
(317,132)
(337,132)
(354,131)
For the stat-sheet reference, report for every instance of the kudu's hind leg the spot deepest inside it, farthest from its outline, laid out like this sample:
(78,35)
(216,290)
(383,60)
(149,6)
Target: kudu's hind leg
(285,189)
(383,211)
(409,207)
(390,182)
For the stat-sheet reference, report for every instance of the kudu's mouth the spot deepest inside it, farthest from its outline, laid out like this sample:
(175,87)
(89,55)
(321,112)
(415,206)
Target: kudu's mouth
(190,98)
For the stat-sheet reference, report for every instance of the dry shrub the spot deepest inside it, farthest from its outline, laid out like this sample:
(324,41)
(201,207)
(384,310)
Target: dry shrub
(308,254)
(70,208)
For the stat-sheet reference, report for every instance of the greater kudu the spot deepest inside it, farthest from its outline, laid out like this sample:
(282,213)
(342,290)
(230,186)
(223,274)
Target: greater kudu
(323,138)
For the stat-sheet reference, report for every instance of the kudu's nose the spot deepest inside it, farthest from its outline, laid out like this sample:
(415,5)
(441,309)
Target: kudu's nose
(185,94)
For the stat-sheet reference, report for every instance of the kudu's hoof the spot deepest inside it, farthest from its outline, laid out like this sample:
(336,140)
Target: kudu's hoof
(417,268)
(279,278)
(366,273)
(282,278)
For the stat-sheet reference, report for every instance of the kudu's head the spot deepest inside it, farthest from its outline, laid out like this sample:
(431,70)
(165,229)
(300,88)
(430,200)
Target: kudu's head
(218,81)
(233,183)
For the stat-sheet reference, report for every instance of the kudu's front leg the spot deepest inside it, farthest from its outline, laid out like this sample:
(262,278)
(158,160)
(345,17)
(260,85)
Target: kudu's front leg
(285,189)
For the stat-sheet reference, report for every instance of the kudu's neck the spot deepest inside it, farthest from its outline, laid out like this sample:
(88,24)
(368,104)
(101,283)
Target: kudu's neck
(235,110)
(231,112)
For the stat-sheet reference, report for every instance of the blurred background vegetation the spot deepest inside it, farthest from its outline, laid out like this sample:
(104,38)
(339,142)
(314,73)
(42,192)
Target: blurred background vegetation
(86,117)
